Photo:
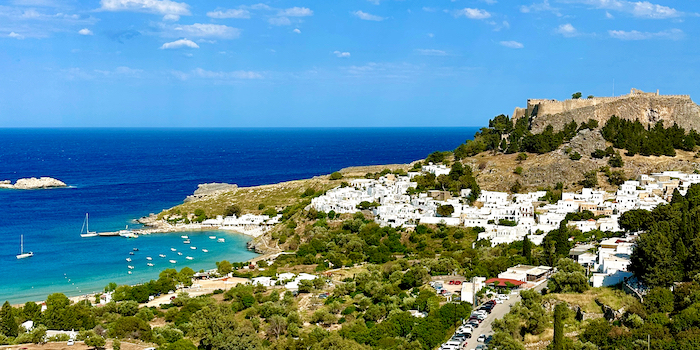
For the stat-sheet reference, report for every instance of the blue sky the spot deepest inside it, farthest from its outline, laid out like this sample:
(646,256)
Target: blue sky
(329,63)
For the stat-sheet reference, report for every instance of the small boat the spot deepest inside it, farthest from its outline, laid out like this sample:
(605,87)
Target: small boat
(189,258)
(128,259)
(22,254)
(131,253)
(130,267)
(221,240)
(85,231)
(193,248)
(149,264)
(205,250)
(126,233)
(173,262)
(130,272)
(212,237)
(179,253)
(187,241)
(149,258)
(184,237)
(161,255)
(173,249)
(136,249)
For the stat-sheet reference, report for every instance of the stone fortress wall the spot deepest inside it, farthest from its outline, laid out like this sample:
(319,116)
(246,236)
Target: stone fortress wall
(648,108)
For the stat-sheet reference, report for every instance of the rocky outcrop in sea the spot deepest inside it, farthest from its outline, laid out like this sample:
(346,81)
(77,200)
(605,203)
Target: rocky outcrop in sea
(210,189)
(33,183)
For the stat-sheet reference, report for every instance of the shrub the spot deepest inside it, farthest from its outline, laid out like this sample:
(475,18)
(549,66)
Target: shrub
(336,176)
(518,170)
(575,156)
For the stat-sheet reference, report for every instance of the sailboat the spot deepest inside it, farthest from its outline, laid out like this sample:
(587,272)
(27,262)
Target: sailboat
(86,229)
(22,254)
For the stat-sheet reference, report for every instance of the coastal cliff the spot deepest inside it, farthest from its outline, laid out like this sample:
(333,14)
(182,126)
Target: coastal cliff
(33,183)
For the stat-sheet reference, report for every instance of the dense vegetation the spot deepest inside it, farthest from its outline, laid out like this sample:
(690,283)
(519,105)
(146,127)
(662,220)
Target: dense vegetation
(636,139)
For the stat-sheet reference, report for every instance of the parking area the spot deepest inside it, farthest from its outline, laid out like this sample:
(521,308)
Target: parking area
(483,326)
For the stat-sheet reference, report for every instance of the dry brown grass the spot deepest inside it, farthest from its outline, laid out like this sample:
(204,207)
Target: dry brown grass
(614,298)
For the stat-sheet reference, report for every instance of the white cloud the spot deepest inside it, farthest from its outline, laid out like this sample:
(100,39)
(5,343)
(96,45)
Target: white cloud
(366,16)
(672,34)
(541,7)
(296,30)
(205,74)
(430,35)
(431,52)
(341,54)
(641,9)
(608,15)
(279,21)
(15,35)
(472,13)
(490,2)
(512,44)
(230,13)
(85,31)
(163,7)
(296,12)
(171,18)
(429,9)
(121,71)
(178,44)
(199,30)
(567,30)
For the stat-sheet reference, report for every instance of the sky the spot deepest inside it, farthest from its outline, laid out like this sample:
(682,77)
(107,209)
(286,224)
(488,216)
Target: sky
(330,63)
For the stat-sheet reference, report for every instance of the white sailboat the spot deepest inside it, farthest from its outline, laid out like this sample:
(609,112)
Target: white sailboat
(22,254)
(85,231)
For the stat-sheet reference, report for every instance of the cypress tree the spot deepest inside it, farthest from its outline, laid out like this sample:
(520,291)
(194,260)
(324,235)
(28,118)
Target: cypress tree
(559,311)
(8,324)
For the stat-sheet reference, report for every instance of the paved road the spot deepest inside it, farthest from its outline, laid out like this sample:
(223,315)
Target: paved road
(498,312)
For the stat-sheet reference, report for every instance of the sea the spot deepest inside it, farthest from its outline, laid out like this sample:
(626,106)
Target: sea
(118,175)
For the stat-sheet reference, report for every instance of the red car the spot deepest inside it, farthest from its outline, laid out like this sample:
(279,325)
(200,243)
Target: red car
(458,282)
(451,282)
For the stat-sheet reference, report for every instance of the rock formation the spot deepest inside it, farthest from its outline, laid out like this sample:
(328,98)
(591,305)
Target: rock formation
(33,183)
(210,189)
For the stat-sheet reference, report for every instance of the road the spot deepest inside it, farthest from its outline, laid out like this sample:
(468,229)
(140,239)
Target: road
(498,312)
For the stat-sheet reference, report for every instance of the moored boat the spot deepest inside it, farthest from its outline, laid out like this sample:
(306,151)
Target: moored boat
(189,258)
(85,231)
(173,262)
(221,240)
(205,250)
(22,254)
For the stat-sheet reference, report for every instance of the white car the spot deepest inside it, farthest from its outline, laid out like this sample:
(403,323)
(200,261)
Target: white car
(479,312)
(481,338)
(503,297)
(71,342)
(499,301)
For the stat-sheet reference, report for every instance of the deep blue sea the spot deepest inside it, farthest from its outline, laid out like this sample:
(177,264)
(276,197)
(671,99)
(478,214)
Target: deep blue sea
(117,175)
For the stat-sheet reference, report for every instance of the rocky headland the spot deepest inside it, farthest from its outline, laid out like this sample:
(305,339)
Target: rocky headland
(33,183)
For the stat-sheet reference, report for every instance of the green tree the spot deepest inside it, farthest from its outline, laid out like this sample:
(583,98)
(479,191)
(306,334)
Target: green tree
(96,342)
(116,344)
(128,308)
(233,210)
(8,323)
(521,157)
(576,95)
(181,344)
(215,327)
(570,277)
(590,179)
(575,156)
(559,314)
(224,267)
(445,210)
(336,176)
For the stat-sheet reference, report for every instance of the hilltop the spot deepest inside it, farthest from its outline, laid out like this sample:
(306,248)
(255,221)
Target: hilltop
(648,108)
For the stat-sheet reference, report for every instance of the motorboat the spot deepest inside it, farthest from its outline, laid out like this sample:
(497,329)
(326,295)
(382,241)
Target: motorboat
(212,237)
(187,241)
(205,250)
(173,249)
(221,240)
(184,237)
(128,259)
(193,248)
(149,258)
(161,255)
(189,258)
(149,264)
(173,262)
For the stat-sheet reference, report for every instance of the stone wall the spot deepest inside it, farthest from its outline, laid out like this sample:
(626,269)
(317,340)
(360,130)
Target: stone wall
(647,108)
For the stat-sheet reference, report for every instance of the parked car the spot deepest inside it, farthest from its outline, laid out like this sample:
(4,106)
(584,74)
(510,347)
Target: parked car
(458,282)
(451,282)
(71,342)
(481,338)
(503,296)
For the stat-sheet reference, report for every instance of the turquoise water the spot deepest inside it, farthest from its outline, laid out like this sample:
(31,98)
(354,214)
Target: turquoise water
(96,261)
(118,175)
